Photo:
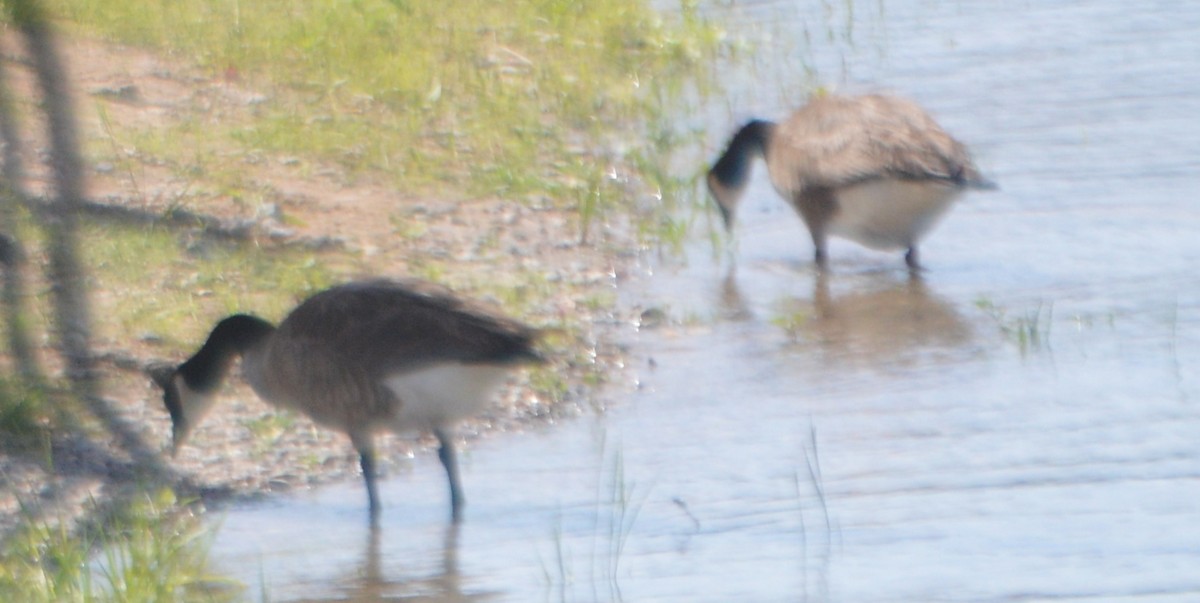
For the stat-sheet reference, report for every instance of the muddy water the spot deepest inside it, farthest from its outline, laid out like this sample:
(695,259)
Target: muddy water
(1021,423)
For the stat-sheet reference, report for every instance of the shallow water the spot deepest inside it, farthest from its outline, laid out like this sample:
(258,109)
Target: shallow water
(1020,424)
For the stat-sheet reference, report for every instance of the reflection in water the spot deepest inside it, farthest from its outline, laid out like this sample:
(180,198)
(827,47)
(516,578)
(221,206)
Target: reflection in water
(369,583)
(873,318)
(731,303)
(895,323)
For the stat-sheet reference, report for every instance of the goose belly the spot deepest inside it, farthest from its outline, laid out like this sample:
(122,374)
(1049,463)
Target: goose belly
(890,214)
(443,394)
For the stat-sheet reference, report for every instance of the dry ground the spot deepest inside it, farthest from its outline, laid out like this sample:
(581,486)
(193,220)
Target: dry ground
(243,448)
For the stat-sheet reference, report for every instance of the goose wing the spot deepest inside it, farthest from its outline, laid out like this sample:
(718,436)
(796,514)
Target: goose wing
(331,354)
(387,326)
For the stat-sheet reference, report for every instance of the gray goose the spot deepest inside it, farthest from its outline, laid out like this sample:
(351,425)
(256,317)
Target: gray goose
(362,357)
(875,169)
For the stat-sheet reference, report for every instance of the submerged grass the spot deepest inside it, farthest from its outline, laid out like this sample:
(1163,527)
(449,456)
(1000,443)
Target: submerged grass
(1030,330)
(816,546)
(619,501)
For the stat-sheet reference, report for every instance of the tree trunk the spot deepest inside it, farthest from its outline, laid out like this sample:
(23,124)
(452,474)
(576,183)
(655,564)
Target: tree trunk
(12,195)
(60,218)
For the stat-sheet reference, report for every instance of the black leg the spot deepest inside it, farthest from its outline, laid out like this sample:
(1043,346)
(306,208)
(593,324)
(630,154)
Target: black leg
(817,207)
(820,245)
(821,258)
(912,259)
(366,460)
(449,460)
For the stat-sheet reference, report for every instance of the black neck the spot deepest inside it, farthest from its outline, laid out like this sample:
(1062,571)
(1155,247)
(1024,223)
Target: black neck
(205,370)
(749,143)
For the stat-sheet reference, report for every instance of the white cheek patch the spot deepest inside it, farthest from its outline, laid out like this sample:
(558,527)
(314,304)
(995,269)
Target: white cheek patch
(193,405)
(891,214)
(444,393)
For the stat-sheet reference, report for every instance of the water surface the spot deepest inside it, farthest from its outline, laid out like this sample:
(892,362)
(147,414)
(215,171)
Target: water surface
(1019,424)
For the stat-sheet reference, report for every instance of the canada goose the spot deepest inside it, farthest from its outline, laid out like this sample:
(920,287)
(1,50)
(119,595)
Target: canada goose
(874,169)
(362,357)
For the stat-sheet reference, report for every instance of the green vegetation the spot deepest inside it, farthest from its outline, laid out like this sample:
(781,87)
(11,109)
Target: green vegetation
(792,317)
(545,101)
(1030,330)
(491,98)
(150,552)
(141,547)
(619,501)
(791,322)
(156,287)
(24,431)
(268,428)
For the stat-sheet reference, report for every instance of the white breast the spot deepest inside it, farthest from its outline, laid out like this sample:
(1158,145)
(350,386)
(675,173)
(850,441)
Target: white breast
(890,214)
(444,393)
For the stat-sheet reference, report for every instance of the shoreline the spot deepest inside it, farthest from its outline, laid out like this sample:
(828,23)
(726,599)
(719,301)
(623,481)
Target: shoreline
(245,449)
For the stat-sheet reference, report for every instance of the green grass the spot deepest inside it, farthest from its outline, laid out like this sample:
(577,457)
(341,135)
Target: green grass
(619,500)
(1029,330)
(23,417)
(150,550)
(150,282)
(422,91)
(156,286)
(421,94)
(268,428)
(792,319)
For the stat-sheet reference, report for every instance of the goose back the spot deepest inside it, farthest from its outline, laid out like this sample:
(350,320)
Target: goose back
(334,355)
(836,141)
